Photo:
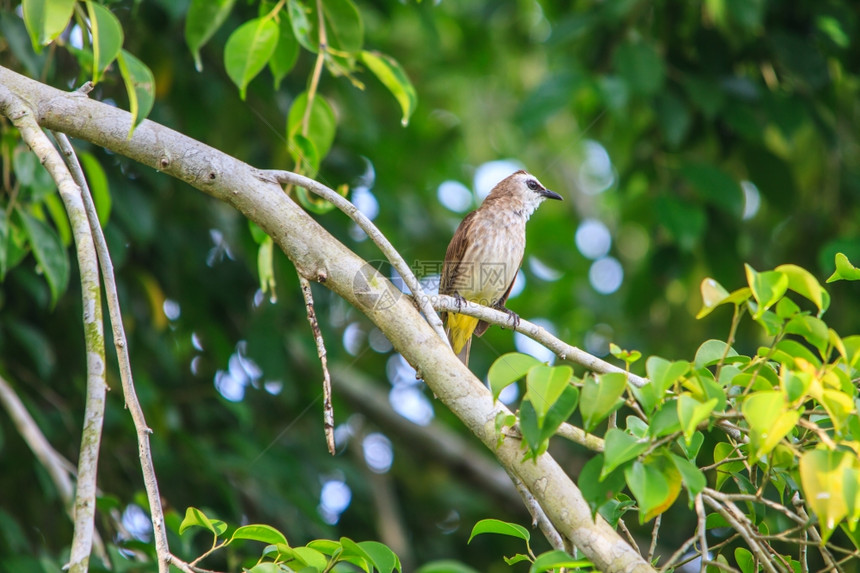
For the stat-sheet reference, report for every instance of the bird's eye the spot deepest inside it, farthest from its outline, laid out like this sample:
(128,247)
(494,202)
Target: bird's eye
(533,185)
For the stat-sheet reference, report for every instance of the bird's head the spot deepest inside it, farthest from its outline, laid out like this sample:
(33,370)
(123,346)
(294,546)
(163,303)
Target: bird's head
(522,192)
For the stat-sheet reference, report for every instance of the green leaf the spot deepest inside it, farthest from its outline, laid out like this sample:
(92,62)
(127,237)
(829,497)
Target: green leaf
(248,50)
(286,52)
(691,413)
(767,288)
(4,243)
(560,411)
(641,67)
(260,532)
(821,475)
(598,490)
(49,253)
(203,20)
(501,528)
(266,267)
(691,475)
(196,518)
(98,184)
(619,448)
(140,86)
(343,25)
(745,560)
(711,352)
(507,369)
(46,19)
(665,421)
(301,24)
(663,374)
(685,222)
(517,558)
(714,295)
(392,76)
(309,557)
(674,118)
(107,37)
(445,566)
(715,186)
(601,396)
(844,270)
(813,329)
(531,429)
(723,450)
(305,154)
(321,123)
(382,557)
(805,284)
(652,488)
(555,559)
(770,420)
(628,356)
(544,385)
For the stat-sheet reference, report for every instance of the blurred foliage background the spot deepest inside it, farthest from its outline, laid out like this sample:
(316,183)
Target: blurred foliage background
(686,138)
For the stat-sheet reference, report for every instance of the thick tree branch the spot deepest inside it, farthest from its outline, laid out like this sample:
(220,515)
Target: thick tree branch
(22,116)
(317,254)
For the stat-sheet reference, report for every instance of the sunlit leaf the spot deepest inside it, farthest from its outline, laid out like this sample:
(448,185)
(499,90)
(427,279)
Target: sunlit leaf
(46,19)
(140,86)
(107,37)
(844,270)
(248,50)
(392,76)
(821,475)
(507,369)
(601,395)
(619,448)
(499,527)
(260,532)
(767,288)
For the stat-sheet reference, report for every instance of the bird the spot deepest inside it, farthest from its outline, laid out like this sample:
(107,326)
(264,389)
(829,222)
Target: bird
(485,254)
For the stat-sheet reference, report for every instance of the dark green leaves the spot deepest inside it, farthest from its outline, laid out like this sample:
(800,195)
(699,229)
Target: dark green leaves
(49,253)
(641,67)
(203,19)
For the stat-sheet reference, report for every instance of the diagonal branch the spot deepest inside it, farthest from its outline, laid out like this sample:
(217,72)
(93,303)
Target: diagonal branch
(23,118)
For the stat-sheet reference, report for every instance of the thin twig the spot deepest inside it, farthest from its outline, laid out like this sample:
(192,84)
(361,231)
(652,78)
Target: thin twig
(147,467)
(421,299)
(623,527)
(654,536)
(328,411)
(564,350)
(813,533)
(703,531)
(673,559)
(539,517)
(93,324)
(740,525)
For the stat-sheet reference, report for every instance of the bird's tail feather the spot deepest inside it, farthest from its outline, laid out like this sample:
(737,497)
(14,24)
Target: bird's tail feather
(459,329)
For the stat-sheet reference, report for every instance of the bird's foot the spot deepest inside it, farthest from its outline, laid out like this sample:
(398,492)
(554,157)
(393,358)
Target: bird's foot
(513,317)
(460,301)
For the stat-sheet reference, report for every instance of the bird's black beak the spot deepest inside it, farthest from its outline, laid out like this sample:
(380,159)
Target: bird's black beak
(550,194)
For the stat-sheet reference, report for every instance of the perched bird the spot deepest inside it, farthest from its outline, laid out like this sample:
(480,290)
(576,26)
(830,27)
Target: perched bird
(485,254)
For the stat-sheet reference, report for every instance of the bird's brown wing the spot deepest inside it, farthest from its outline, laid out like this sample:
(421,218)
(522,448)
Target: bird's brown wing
(452,267)
(483,326)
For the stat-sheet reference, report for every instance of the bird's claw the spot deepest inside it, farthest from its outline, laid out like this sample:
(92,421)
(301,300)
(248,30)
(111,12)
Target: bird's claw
(460,301)
(513,317)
